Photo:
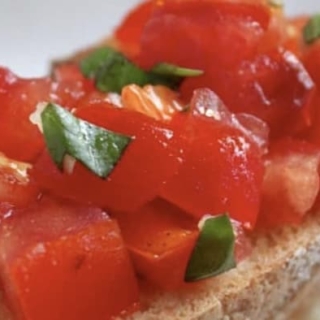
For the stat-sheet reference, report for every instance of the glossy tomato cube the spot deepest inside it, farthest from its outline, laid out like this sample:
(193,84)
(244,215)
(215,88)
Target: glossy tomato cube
(160,238)
(64,261)
(223,168)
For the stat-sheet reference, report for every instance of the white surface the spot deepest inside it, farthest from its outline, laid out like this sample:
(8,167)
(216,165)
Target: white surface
(34,31)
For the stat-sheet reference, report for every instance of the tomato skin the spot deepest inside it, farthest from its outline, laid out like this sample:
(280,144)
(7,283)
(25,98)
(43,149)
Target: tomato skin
(291,183)
(160,242)
(78,251)
(129,31)
(205,184)
(193,24)
(153,157)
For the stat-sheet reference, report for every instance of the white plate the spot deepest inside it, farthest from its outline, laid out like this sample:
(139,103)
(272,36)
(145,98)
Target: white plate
(34,31)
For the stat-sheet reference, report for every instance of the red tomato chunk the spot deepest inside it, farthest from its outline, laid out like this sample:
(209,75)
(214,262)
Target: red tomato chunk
(64,261)
(291,183)
(223,168)
(20,138)
(160,242)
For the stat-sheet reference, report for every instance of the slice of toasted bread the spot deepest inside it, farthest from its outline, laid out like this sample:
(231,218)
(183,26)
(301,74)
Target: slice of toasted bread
(261,287)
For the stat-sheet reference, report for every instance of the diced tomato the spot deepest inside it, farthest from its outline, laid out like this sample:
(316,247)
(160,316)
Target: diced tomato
(223,168)
(274,87)
(129,32)
(291,183)
(70,85)
(67,71)
(20,138)
(16,189)
(153,156)
(191,26)
(160,238)
(64,261)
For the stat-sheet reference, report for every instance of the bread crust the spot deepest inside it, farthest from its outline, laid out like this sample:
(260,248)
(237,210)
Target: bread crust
(305,305)
(260,287)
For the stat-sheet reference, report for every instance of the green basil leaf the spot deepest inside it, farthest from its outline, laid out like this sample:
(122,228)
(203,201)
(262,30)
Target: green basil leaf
(97,148)
(214,250)
(117,72)
(311,31)
(111,71)
(92,63)
(174,70)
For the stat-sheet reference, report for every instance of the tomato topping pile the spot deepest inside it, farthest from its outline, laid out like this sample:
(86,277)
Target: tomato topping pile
(266,80)
(48,253)
(150,163)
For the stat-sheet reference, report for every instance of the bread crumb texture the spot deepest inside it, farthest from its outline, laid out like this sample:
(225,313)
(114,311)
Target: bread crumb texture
(260,287)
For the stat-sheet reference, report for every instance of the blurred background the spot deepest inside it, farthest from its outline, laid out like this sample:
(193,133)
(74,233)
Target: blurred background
(34,31)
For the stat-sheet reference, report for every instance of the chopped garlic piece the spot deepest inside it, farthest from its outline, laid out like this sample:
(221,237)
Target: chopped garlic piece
(68,164)
(203,221)
(35,117)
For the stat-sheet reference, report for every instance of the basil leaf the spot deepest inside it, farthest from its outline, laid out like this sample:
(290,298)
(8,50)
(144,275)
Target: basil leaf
(117,72)
(214,250)
(111,71)
(97,148)
(311,31)
(91,64)
(174,70)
